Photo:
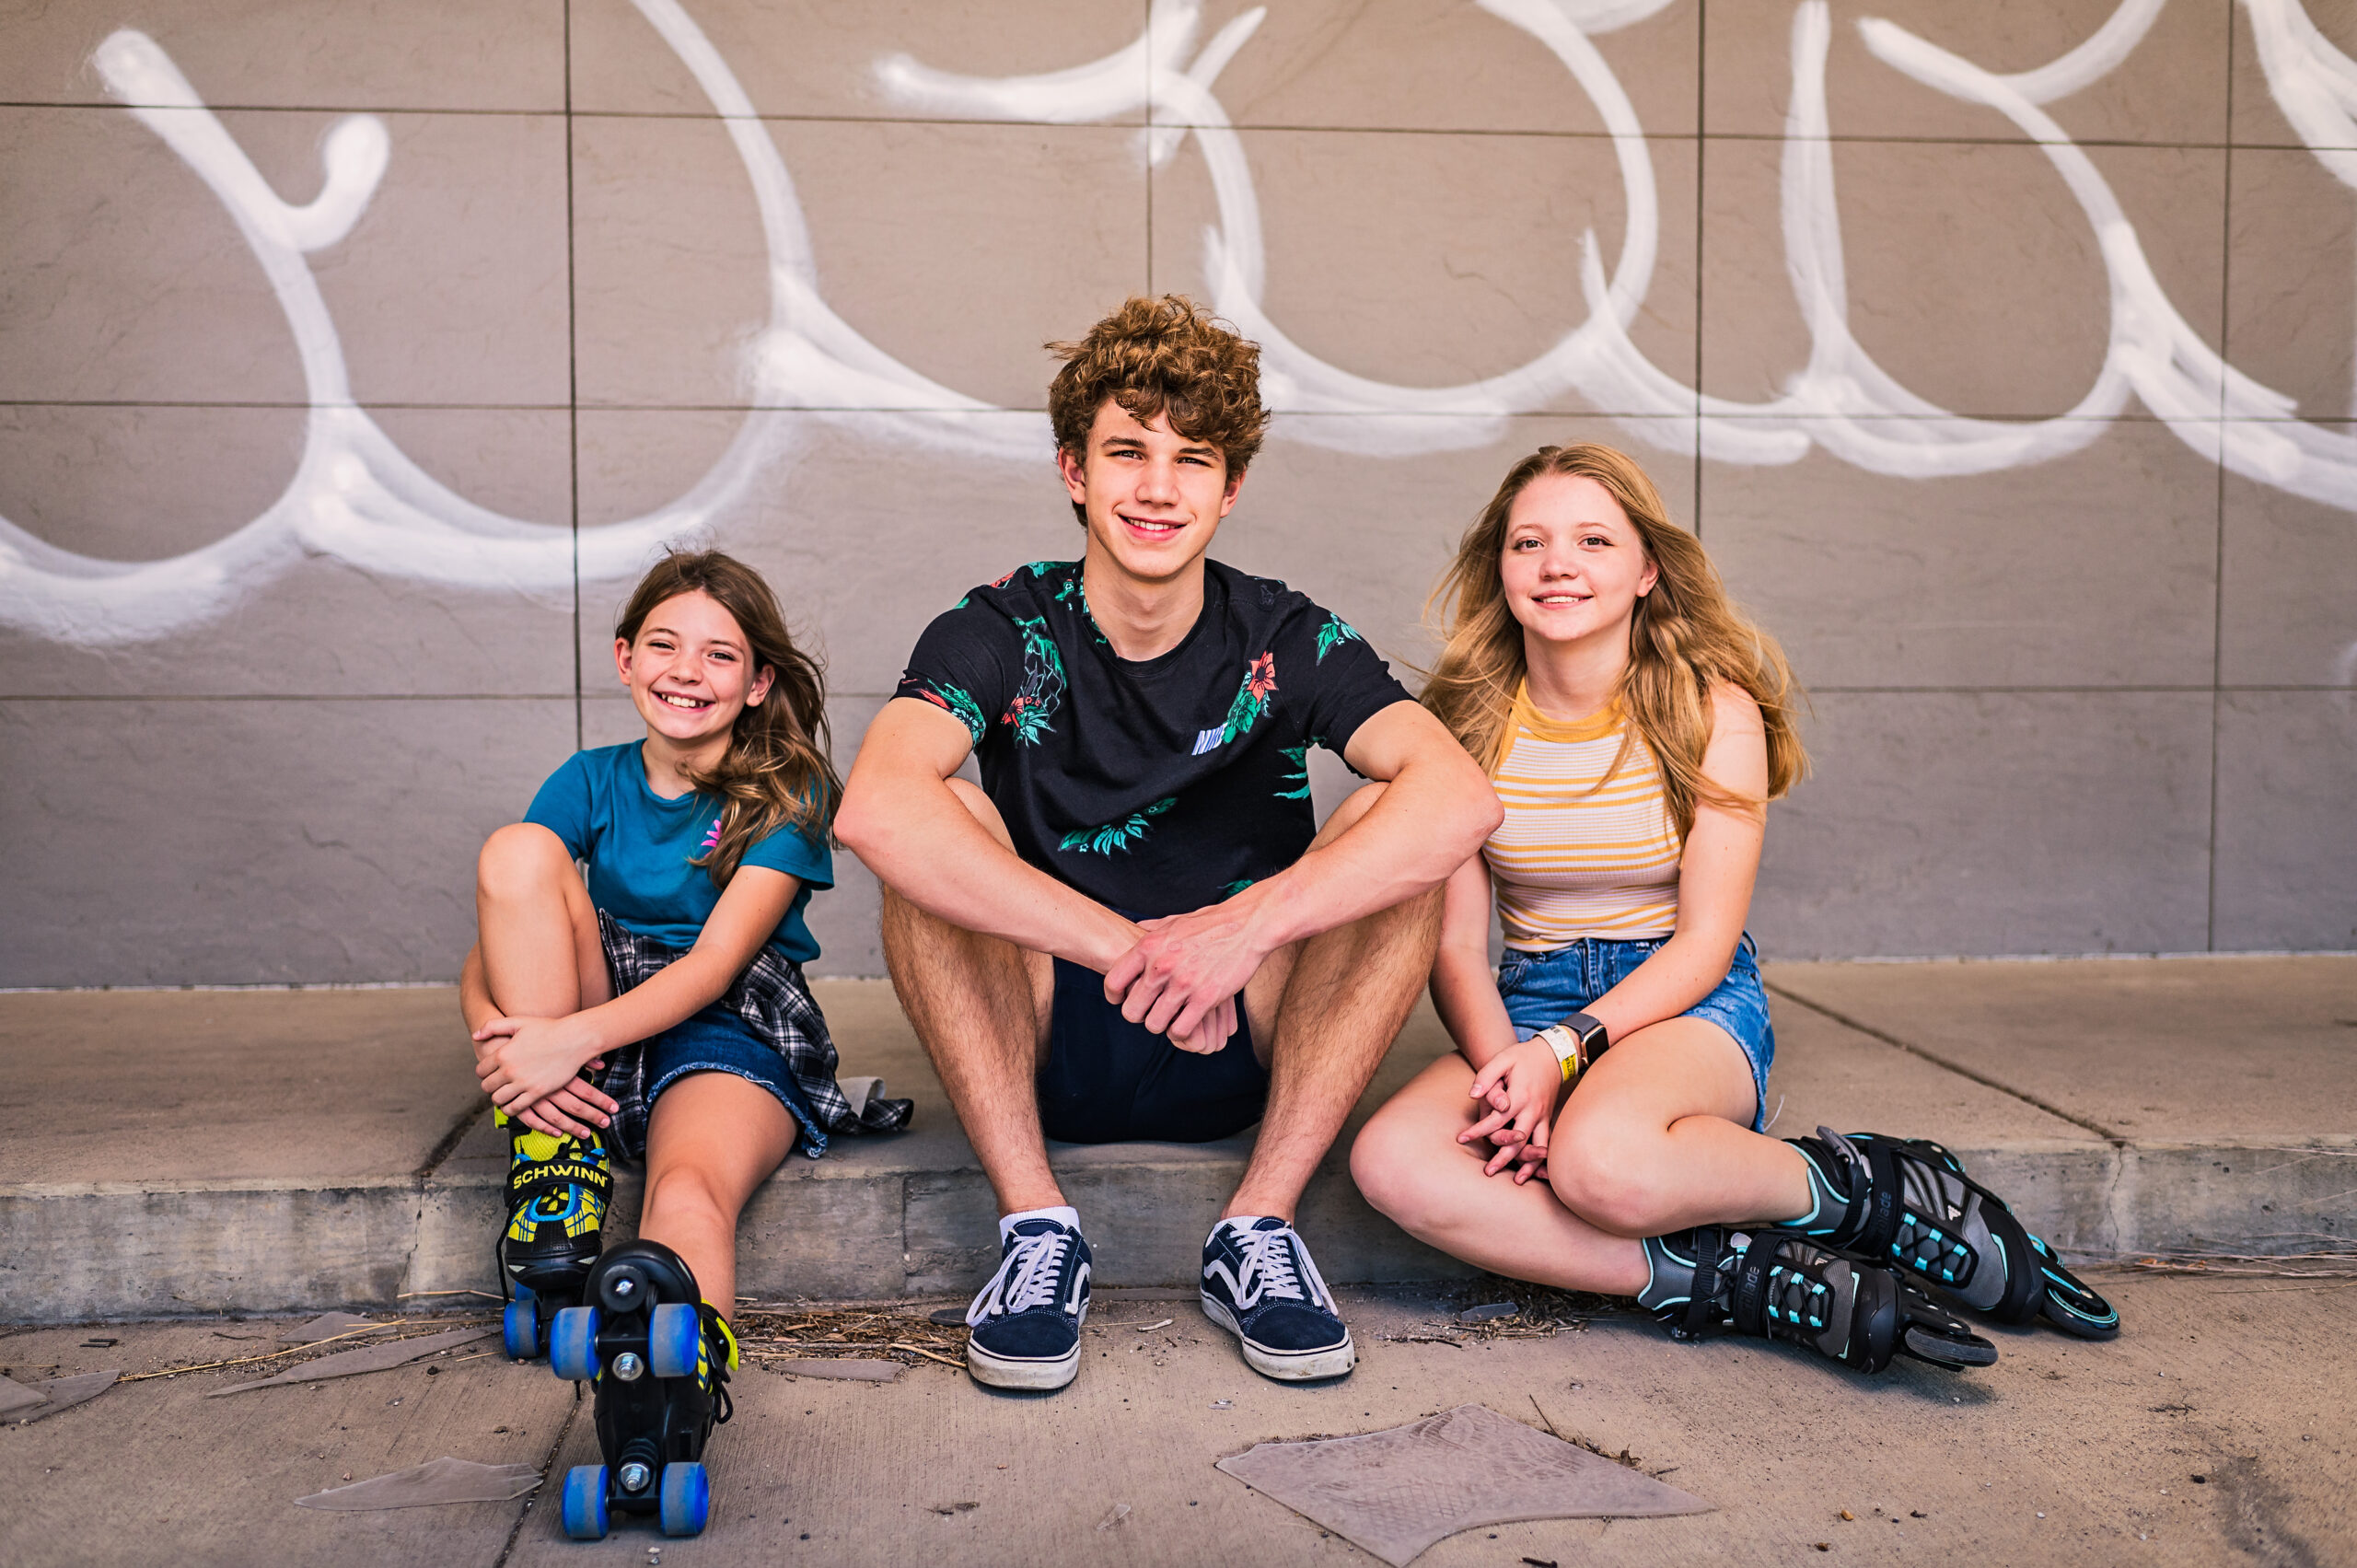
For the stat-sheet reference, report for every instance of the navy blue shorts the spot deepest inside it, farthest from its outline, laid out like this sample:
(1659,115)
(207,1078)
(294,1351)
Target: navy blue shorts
(1540,988)
(1108,1080)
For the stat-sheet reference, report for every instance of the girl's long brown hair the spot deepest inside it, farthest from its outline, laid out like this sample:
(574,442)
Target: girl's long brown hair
(776,772)
(1686,636)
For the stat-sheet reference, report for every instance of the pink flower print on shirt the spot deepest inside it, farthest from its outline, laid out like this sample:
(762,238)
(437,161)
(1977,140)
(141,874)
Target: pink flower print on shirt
(712,838)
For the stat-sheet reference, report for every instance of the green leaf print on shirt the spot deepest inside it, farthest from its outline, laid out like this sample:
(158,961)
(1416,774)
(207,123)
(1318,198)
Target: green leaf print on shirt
(1043,683)
(951,700)
(1335,631)
(1252,697)
(1299,756)
(1117,835)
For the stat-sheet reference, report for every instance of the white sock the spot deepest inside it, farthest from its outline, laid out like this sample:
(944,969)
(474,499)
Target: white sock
(1063,1214)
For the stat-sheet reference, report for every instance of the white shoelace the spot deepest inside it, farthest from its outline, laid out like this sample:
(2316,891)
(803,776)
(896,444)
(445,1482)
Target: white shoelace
(1269,1270)
(1026,1277)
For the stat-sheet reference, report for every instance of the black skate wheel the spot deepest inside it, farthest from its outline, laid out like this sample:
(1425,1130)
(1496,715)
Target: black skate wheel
(1944,1350)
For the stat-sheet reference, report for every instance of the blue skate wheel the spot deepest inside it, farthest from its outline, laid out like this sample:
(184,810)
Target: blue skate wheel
(686,1501)
(673,1335)
(585,1503)
(572,1344)
(520,1326)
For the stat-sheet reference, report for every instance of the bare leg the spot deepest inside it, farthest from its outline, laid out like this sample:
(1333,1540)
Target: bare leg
(980,1005)
(1347,992)
(1657,1137)
(711,1139)
(1407,1162)
(541,954)
(1648,1143)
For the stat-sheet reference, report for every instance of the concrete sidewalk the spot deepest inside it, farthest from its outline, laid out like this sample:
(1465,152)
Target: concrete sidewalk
(184,1152)
(2215,1429)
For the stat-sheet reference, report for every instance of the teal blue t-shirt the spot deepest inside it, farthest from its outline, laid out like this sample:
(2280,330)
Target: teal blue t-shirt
(639,845)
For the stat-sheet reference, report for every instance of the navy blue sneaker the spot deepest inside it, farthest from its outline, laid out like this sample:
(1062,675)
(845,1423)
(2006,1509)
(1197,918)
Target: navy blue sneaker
(1260,1286)
(1027,1321)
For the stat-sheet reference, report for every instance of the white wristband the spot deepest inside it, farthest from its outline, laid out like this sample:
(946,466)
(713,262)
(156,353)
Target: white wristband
(1566,1047)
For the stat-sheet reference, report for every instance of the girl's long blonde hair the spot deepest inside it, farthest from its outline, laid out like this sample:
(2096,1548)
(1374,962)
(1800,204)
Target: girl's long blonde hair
(776,772)
(1687,635)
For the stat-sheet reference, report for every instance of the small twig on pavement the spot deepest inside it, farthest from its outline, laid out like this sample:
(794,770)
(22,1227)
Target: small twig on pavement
(919,1349)
(249,1360)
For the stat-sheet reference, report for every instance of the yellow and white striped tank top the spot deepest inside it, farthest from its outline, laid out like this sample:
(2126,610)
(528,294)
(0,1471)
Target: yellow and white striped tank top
(1570,860)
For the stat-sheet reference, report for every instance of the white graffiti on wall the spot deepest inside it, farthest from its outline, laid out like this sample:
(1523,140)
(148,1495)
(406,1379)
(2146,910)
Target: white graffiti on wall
(354,497)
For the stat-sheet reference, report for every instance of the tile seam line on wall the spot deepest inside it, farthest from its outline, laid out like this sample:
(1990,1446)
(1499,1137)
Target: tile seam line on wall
(1256,126)
(2190,689)
(2218,537)
(2116,1140)
(290,697)
(2135,419)
(572,384)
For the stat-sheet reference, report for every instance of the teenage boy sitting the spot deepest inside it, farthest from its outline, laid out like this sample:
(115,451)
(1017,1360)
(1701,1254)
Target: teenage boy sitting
(1134,929)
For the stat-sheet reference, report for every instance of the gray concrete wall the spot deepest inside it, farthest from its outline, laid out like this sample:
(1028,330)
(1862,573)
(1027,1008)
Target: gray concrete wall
(354,358)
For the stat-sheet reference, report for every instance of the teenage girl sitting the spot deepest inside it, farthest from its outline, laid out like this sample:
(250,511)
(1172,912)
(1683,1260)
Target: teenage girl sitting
(1601,1125)
(657,1010)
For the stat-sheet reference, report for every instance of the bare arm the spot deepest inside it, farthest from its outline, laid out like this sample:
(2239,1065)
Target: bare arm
(900,819)
(523,1061)
(1715,876)
(1435,810)
(474,993)
(1464,987)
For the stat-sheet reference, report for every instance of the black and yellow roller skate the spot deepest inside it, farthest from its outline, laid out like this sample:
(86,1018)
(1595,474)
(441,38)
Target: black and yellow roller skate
(557,1192)
(658,1356)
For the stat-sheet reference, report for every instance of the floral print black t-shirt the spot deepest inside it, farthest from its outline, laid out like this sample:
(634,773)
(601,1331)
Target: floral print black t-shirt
(1159,785)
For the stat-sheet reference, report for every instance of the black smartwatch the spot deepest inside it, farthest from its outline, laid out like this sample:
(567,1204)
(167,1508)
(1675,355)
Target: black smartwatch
(1577,1040)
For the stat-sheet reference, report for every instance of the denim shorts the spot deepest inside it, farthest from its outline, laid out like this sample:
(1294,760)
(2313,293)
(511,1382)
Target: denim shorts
(715,1040)
(1540,989)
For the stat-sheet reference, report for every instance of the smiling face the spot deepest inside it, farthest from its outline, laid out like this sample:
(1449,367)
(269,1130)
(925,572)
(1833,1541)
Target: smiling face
(1151,497)
(1573,565)
(690,671)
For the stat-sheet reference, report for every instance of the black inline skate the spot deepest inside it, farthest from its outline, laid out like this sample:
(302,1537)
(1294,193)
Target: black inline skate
(557,1192)
(1907,1203)
(658,1356)
(1778,1284)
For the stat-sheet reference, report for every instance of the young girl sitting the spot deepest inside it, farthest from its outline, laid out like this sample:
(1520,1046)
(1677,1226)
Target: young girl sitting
(1635,724)
(673,974)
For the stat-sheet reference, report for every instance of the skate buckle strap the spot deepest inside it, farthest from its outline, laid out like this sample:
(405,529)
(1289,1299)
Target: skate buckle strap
(1702,1313)
(1872,1221)
(1749,1300)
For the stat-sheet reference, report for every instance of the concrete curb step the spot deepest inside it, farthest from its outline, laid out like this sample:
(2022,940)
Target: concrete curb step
(2120,1108)
(862,1225)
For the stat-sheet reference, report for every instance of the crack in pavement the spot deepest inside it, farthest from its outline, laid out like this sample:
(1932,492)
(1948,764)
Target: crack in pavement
(548,1463)
(2117,1140)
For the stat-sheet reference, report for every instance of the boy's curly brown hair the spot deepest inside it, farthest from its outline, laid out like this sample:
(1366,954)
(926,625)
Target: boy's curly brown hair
(1155,356)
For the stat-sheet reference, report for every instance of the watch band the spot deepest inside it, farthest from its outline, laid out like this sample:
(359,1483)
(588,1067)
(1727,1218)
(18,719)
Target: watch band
(1577,1040)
